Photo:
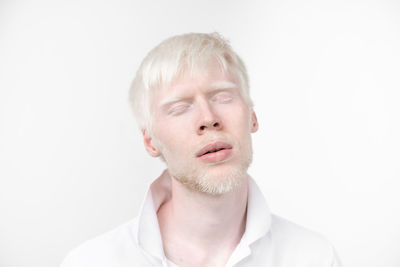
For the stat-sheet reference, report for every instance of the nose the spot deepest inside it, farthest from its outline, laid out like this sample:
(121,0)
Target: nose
(208,120)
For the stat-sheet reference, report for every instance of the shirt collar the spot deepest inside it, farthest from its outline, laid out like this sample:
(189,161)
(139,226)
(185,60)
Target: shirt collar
(258,219)
(148,235)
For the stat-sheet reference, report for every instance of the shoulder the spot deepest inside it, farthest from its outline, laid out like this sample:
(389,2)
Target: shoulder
(117,245)
(301,244)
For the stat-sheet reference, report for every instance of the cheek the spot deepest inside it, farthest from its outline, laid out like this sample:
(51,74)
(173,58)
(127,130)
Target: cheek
(170,140)
(240,119)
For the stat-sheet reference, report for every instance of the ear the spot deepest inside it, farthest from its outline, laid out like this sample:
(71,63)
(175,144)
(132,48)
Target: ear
(148,144)
(254,122)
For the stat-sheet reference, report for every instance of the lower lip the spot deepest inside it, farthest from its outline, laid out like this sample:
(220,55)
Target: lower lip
(216,156)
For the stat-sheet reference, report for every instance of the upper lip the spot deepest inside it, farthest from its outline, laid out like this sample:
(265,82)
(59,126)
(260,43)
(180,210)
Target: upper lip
(213,146)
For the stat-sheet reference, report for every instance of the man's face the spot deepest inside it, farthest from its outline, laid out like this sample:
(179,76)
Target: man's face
(202,127)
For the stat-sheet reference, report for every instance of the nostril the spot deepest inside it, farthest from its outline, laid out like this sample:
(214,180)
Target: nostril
(215,125)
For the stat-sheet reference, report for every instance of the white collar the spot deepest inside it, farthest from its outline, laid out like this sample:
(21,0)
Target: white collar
(148,235)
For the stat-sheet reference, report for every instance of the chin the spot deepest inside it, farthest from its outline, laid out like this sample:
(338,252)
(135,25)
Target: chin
(214,180)
(223,183)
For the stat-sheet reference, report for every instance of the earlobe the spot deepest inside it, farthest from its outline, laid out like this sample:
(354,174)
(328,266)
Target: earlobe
(148,144)
(254,122)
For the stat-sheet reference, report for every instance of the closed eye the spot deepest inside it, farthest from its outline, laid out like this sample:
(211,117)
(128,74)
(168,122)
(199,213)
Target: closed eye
(223,97)
(178,108)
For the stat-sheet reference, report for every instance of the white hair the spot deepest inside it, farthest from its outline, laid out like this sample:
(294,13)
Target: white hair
(173,57)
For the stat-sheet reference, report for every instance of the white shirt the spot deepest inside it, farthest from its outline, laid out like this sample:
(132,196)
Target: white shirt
(268,240)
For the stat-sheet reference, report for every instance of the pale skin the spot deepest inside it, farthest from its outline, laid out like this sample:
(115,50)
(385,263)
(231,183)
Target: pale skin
(197,228)
(202,230)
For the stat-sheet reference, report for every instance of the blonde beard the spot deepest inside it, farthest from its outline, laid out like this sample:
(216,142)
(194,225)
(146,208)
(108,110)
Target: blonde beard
(203,180)
(212,184)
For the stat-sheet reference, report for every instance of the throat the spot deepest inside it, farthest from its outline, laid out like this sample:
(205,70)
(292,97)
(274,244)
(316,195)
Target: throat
(214,218)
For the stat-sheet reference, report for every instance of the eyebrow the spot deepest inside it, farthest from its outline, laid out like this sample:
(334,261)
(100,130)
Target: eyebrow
(220,85)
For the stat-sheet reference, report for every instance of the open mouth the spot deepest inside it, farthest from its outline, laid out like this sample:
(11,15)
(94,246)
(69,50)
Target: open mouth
(213,148)
(213,151)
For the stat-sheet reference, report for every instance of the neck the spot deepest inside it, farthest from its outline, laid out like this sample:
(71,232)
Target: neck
(199,222)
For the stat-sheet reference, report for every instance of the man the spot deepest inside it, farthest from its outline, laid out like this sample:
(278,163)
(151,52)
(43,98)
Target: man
(191,99)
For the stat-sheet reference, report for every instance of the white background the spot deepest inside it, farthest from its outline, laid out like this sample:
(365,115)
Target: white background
(325,82)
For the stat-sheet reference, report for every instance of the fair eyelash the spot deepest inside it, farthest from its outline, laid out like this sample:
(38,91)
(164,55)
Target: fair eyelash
(224,98)
(176,110)
(181,108)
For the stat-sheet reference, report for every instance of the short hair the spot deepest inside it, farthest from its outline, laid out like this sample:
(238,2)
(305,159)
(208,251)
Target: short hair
(177,55)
